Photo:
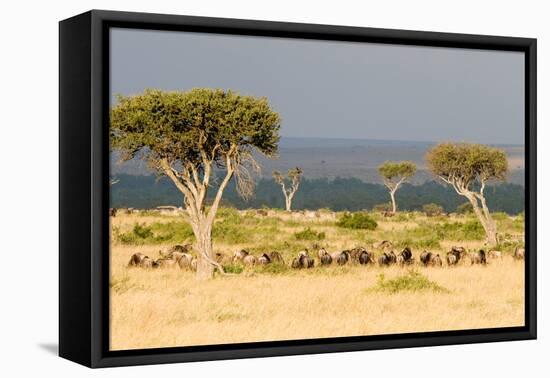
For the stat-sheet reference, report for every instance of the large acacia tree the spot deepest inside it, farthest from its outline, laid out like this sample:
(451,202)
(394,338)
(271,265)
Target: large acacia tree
(294,176)
(189,135)
(468,168)
(395,173)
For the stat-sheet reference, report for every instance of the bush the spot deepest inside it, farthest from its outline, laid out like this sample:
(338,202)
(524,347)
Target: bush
(412,281)
(432,209)
(309,234)
(382,207)
(156,233)
(229,231)
(465,208)
(357,221)
(471,230)
(233,268)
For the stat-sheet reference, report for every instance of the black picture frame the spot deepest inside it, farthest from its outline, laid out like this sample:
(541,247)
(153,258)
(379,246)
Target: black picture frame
(84,191)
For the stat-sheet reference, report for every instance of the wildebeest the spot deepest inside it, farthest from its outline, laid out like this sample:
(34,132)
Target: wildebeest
(264,259)
(250,260)
(166,263)
(181,248)
(519,253)
(303,261)
(494,254)
(342,258)
(220,258)
(185,261)
(142,261)
(355,253)
(239,255)
(326,259)
(425,258)
(148,262)
(387,258)
(404,257)
(322,252)
(276,257)
(454,255)
(478,257)
(407,253)
(428,258)
(136,259)
(112,212)
(366,257)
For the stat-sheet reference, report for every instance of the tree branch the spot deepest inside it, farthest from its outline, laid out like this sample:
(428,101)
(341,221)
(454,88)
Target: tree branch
(227,178)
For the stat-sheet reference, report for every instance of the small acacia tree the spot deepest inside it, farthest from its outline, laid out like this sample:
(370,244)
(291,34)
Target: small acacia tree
(468,168)
(394,174)
(185,136)
(294,176)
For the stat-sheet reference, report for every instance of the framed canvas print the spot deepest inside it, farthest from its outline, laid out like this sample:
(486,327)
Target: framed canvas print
(233,188)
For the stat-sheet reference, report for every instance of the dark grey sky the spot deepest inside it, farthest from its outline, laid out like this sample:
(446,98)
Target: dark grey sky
(338,89)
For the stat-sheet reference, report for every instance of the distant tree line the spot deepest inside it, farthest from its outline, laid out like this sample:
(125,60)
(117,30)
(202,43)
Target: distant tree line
(338,194)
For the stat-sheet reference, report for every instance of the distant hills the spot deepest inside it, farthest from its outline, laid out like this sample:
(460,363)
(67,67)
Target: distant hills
(343,158)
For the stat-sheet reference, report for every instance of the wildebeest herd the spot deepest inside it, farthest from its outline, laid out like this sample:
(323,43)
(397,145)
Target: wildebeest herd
(180,256)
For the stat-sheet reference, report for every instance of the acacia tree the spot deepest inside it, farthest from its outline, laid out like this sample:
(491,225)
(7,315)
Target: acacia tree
(186,136)
(468,168)
(394,174)
(294,176)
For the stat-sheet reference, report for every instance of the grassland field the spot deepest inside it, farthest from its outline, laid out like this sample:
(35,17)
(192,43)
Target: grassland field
(153,308)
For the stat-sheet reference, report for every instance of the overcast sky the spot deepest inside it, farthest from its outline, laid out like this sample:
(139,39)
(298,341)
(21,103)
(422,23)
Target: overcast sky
(338,89)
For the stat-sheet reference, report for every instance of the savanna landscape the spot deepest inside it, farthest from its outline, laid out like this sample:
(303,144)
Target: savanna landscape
(170,307)
(267,189)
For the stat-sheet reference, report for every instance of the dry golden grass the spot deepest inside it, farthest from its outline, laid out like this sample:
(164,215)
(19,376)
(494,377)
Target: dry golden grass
(164,308)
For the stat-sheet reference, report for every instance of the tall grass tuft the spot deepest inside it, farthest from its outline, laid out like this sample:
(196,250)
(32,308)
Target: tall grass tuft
(412,281)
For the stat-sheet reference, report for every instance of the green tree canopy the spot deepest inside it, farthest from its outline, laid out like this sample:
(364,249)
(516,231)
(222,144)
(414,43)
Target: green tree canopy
(395,170)
(462,165)
(184,135)
(467,163)
(182,126)
(394,173)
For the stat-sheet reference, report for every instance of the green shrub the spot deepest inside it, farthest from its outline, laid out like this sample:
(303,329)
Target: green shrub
(432,209)
(412,281)
(309,234)
(465,208)
(229,228)
(233,268)
(357,221)
(470,230)
(156,233)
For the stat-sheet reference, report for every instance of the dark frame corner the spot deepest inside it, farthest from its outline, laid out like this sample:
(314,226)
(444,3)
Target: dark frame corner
(83,196)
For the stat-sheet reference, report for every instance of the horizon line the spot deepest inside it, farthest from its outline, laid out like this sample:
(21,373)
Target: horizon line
(396,140)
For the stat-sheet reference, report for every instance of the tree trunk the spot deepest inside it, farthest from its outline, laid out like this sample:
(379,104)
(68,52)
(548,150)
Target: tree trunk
(288,202)
(205,269)
(394,204)
(486,221)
